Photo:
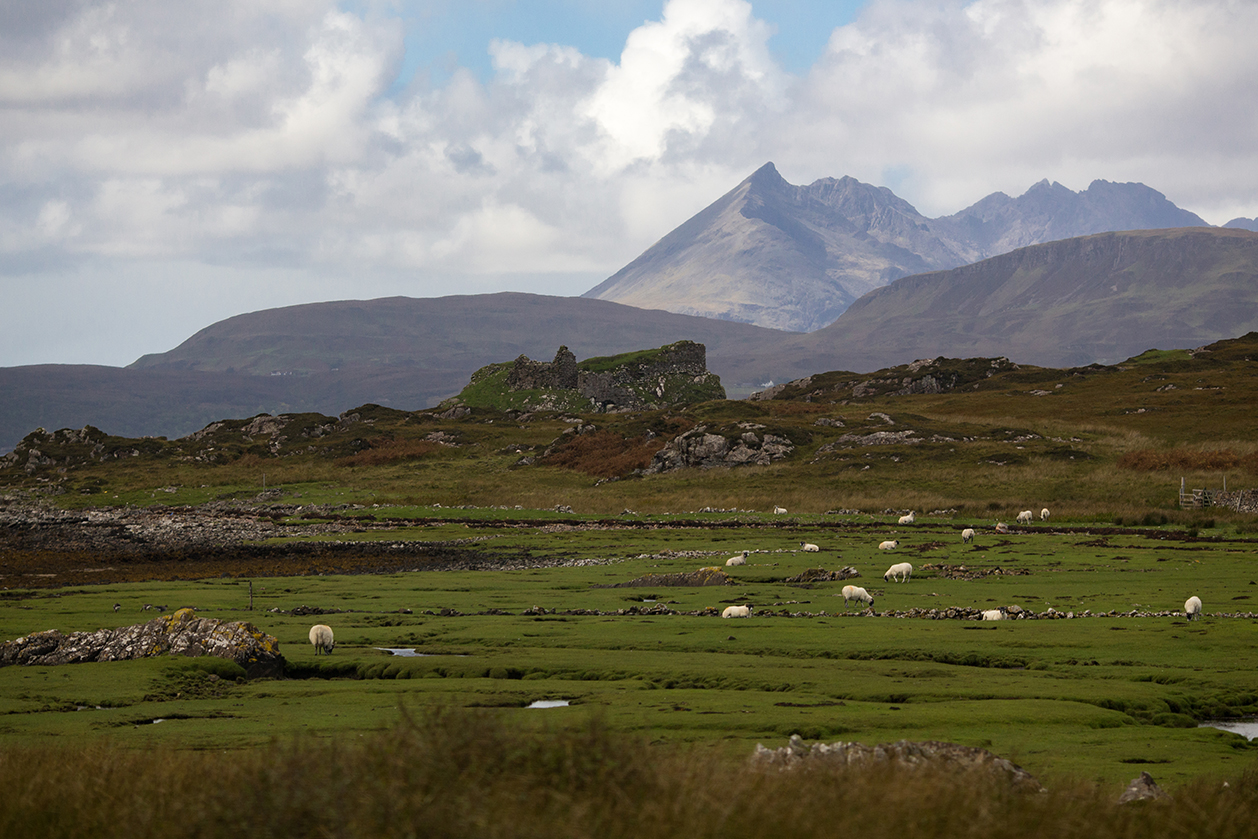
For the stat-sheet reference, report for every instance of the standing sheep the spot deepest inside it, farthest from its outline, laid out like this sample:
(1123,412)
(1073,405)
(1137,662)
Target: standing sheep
(889,545)
(967,535)
(1044,514)
(900,572)
(736,612)
(858,594)
(1025,517)
(1192,608)
(321,637)
(809,547)
(909,519)
(741,559)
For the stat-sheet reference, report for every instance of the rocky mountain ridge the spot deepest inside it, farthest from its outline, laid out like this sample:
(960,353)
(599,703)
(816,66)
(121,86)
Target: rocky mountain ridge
(795,257)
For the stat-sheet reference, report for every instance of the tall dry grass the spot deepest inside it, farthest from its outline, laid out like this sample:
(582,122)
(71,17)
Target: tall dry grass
(460,774)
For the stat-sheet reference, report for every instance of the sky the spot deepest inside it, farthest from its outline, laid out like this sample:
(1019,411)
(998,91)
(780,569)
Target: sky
(167,165)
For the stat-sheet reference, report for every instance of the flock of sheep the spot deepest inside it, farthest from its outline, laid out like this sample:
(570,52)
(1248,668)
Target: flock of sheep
(322,639)
(902,572)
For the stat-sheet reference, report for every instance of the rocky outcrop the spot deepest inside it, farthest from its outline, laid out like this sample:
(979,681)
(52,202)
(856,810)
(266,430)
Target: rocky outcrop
(821,575)
(181,633)
(704,449)
(702,577)
(930,754)
(1143,788)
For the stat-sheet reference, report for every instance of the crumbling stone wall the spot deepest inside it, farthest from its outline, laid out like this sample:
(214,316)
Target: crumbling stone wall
(527,374)
(1242,501)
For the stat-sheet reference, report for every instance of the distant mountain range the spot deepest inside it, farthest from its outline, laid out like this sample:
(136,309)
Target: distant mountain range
(829,253)
(795,257)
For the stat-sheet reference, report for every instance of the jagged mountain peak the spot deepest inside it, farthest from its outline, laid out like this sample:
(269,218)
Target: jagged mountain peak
(794,257)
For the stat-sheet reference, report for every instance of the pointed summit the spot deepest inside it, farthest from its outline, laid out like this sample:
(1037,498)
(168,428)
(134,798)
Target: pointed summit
(783,256)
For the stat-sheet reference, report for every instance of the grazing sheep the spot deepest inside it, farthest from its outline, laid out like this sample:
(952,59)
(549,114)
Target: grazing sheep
(994,614)
(741,559)
(967,535)
(889,545)
(1001,527)
(736,612)
(808,547)
(901,572)
(1044,514)
(778,511)
(858,594)
(321,637)
(909,519)
(1025,517)
(1192,607)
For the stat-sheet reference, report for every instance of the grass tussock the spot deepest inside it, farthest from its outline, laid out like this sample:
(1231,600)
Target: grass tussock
(462,774)
(1188,460)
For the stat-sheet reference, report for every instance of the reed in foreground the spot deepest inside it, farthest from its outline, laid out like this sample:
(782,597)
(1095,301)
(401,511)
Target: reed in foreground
(468,774)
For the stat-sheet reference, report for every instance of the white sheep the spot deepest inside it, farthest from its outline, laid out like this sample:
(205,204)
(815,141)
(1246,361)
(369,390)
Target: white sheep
(909,519)
(858,594)
(889,545)
(778,511)
(1044,514)
(1025,517)
(321,637)
(736,612)
(967,535)
(808,547)
(900,572)
(741,559)
(994,614)
(1192,607)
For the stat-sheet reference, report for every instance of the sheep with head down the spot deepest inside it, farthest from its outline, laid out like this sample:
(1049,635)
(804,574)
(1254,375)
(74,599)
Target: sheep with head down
(901,572)
(1025,517)
(967,535)
(1192,608)
(858,594)
(321,637)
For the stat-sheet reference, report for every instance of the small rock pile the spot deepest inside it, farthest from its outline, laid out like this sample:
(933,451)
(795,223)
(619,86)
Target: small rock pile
(931,754)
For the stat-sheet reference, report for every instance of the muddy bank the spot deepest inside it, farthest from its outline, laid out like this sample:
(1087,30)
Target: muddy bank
(43,547)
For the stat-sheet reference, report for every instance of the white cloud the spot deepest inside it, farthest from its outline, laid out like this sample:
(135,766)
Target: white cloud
(265,137)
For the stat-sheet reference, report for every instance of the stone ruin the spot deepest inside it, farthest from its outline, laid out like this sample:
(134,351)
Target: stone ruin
(622,388)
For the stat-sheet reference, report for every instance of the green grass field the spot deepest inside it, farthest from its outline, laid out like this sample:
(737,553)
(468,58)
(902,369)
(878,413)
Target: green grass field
(1089,697)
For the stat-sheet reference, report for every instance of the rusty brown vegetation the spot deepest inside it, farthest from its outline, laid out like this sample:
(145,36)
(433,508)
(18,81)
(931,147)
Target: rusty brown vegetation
(390,451)
(1188,460)
(605,454)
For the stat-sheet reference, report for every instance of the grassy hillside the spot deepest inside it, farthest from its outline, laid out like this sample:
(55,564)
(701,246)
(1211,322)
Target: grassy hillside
(1075,440)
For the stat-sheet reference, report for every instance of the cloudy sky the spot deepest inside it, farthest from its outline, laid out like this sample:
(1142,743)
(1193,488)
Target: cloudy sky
(166,165)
